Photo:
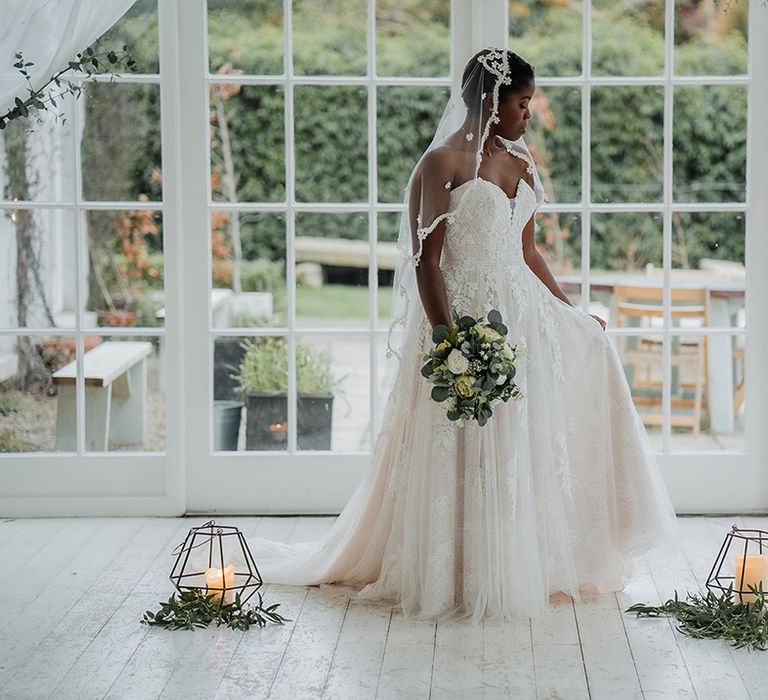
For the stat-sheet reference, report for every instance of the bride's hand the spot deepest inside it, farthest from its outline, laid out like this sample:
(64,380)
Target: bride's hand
(599,320)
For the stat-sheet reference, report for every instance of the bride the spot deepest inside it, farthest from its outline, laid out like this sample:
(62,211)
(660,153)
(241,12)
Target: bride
(558,492)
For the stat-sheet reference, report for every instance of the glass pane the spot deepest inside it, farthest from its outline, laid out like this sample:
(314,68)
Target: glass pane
(412,39)
(37,160)
(547,35)
(249,285)
(623,246)
(137,29)
(332,257)
(708,392)
(558,240)
(329,38)
(627,144)
(386,259)
(554,137)
(708,250)
(125,394)
(709,144)
(247,143)
(37,393)
(333,380)
(331,143)
(641,357)
(406,122)
(38,247)
(627,39)
(250,384)
(125,267)
(710,37)
(121,142)
(246,35)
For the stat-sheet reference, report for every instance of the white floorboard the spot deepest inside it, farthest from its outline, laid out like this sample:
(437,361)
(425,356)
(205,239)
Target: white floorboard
(77,589)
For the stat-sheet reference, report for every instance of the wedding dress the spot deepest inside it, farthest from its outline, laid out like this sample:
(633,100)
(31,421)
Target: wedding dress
(558,492)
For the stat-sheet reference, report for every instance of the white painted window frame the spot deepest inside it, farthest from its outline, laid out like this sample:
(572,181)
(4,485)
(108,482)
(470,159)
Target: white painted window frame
(188,477)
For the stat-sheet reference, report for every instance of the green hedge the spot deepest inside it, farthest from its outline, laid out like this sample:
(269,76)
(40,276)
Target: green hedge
(331,122)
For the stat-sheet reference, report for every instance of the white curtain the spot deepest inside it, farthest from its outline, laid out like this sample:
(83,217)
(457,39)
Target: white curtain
(50,33)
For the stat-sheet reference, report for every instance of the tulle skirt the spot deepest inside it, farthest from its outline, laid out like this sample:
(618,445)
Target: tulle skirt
(558,492)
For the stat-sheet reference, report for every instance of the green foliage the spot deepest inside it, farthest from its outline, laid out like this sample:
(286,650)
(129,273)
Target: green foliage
(137,28)
(626,122)
(91,60)
(714,616)
(11,401)
(9,442)
(406,121)
(264,367)
(331,135)
(262,275)
(195,608)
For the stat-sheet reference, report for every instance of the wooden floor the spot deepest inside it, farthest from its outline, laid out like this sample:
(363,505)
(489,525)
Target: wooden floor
(74,590)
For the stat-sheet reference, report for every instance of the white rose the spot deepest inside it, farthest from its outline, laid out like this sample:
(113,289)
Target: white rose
(457,363)
(487,333)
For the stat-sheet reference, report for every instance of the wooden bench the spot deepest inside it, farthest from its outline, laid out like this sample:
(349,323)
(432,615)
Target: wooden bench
(115,396)
(341,252)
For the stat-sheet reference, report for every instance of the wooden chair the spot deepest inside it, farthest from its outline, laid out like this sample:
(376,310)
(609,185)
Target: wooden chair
(639,306)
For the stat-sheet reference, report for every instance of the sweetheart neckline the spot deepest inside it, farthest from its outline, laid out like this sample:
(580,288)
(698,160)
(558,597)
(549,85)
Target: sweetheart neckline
(490,182)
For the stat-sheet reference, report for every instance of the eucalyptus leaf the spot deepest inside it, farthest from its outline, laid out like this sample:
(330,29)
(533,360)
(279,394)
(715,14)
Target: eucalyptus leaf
(439,333)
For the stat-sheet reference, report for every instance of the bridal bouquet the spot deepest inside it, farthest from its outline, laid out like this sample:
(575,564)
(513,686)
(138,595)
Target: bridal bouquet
(472,366)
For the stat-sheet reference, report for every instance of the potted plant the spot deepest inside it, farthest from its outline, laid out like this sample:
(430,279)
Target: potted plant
(228,352)
(226,424)
(263,382)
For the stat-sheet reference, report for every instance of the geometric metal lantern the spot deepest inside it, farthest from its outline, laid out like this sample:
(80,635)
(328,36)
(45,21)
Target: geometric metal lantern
(741,562)
(216,560)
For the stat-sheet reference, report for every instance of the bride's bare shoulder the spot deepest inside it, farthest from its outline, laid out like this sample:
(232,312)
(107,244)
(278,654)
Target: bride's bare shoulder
(440,162)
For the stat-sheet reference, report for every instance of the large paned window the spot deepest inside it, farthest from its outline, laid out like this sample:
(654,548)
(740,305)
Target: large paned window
(198,259)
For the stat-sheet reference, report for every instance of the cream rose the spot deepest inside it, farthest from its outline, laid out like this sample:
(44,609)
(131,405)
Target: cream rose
(488,333)
(457,362)
(463,385)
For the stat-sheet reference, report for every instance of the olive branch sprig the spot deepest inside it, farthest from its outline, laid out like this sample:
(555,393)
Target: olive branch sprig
(194,608)
(743,624)
(58,85)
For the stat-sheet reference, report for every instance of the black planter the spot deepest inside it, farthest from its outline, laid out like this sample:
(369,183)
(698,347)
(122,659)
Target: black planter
(267,421)
(227,355)
(226,425)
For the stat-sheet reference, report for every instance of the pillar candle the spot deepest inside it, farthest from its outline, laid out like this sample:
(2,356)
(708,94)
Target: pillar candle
(213,580)
(755,569)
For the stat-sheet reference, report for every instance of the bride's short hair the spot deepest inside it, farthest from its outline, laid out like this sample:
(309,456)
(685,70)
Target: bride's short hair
(521,74)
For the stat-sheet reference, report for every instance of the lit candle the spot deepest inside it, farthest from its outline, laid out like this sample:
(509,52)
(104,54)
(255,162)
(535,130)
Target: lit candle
(213,581)
(755,570)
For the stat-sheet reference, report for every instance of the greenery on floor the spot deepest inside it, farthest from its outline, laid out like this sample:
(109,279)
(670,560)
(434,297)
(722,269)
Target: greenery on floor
(743,624)
(194,608)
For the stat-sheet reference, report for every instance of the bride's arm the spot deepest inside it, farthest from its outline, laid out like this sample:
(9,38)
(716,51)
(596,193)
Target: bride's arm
(429,198)
(538,265)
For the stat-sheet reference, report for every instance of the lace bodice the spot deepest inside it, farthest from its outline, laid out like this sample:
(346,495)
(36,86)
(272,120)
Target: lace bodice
(483,249)
(487,225)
